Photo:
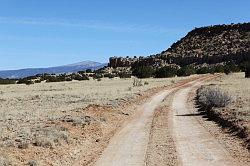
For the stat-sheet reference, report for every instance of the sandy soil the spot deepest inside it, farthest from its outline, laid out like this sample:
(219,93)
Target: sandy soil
(66,123)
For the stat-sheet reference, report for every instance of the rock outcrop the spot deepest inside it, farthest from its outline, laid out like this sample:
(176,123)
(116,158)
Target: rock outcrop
(121,62)
(206,45)
(213,44)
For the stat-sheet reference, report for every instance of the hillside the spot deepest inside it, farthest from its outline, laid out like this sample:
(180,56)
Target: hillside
(213,44)
(210,45)
(56,70)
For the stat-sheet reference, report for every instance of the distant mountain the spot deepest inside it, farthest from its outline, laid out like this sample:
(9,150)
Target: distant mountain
(59,69)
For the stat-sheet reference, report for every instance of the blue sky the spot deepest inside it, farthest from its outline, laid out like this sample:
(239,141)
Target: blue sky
(41,33)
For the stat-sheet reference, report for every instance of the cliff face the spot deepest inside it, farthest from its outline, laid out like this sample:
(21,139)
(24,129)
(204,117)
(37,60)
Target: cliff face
(121,62)
(211,45)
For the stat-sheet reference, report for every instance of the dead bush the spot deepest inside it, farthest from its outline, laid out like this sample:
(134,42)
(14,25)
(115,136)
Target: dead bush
(137,82)
(43,142)
(50,137)
(210,97)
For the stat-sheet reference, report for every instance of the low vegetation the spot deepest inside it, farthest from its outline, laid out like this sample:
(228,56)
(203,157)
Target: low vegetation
(137,82)
(7,81)
(143,71)
(165,72)
(210,97)
(172,71)
(216,101)
(136,71)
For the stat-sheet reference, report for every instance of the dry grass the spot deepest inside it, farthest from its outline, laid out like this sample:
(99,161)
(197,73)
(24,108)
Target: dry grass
(238,87)
(234,117)
(213,97)
(40,122)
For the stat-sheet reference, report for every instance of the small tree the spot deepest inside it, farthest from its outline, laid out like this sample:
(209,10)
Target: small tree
(219,69)
(88,71)
(186,71)
(203,70)
(143,71)
(124,75)
(165,72)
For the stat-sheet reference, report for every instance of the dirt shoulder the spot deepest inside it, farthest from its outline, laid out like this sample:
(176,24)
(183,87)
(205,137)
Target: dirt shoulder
(194,143)
(229,124)
(226,137)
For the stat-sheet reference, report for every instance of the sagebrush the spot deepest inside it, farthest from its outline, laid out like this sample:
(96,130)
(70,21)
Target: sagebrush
(209,97)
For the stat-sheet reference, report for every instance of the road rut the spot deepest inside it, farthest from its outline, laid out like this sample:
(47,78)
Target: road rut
(194,144)
(128,147)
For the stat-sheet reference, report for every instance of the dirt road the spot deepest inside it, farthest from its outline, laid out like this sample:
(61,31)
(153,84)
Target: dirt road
(194,145)
(129,145)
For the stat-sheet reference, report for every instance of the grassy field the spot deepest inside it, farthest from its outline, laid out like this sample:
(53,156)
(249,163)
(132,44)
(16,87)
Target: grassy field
(46,123)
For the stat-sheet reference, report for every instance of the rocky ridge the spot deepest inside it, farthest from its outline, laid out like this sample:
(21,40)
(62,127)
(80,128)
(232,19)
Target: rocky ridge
(210,45)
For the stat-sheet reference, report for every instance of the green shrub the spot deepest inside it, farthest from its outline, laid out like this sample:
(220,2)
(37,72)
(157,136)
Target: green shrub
(165,72)
(38,81)
(81,72)
(110,75)
(124,75)
(219,69)
(186,71)
(79,77)
(52,79)
(88,71)
(231,67)
(204,70)
(143,72)
(7,81)
(25,81)
(97,76)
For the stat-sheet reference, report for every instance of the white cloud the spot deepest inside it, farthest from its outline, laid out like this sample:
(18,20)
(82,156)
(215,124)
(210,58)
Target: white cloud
(92,24)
